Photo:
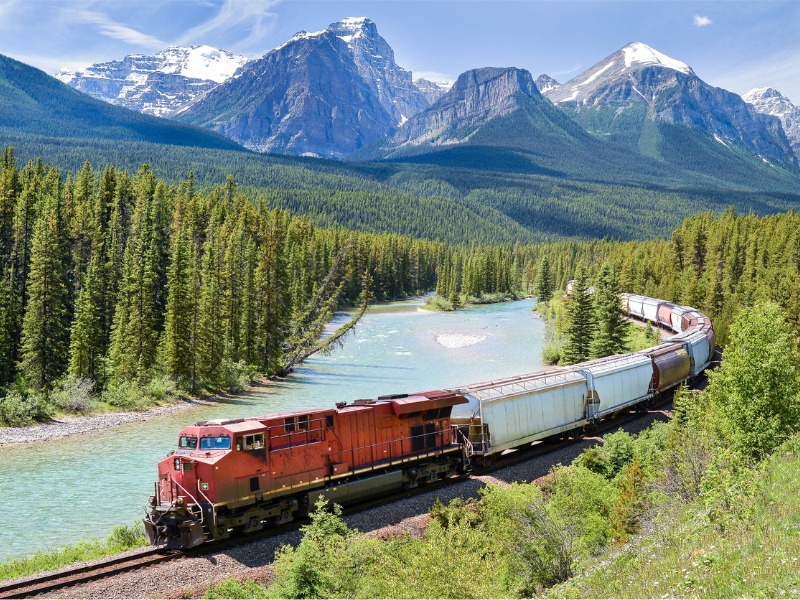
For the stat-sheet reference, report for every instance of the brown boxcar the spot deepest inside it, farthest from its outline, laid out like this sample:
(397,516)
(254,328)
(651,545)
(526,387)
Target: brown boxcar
(671,365)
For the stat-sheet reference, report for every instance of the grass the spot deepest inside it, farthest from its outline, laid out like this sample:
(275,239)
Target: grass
(687,556)
(122,538)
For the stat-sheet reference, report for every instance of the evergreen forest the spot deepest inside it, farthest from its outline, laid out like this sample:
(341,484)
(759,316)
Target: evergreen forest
(127,286)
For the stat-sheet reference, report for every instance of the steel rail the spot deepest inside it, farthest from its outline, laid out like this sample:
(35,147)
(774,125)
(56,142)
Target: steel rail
(34,586)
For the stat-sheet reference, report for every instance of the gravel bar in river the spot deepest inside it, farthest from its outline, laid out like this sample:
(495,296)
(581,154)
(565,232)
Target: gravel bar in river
(191,577)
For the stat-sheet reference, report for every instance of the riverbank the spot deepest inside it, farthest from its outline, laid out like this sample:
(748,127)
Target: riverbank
(72,425)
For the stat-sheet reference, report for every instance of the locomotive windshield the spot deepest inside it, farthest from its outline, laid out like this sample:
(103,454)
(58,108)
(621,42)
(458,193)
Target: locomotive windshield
(222,442)
(188,441)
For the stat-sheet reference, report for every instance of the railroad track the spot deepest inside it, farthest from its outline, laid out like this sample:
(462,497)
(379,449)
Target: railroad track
(35,586)
(40,585)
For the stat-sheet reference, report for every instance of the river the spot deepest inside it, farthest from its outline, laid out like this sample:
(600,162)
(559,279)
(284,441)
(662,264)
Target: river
(57,493)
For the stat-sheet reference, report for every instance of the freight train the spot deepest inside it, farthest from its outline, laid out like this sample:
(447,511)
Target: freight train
(245,474)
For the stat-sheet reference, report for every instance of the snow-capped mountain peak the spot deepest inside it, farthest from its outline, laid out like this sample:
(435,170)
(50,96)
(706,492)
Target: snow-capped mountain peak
(638,53)
(161,84)
(351,29)
(301,35)
(545,83)
(770,101)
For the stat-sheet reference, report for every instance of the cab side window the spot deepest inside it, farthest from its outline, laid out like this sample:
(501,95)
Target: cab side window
(253,442)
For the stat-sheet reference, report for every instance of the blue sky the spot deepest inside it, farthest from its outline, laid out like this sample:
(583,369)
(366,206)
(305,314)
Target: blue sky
(737,45)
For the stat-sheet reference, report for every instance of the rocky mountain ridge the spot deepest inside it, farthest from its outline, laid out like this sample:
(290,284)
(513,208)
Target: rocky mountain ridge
(328,93)
(339,92)
(770,101)
(476,97)
(162,84)
(637,85)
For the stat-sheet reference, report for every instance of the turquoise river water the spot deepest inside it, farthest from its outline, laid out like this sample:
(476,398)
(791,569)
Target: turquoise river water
(59,492)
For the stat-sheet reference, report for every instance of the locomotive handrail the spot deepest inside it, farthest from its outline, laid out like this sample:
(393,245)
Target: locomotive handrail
(213,508)
(202,516)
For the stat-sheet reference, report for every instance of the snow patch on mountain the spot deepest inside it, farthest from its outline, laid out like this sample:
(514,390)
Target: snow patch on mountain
(432,90)
(545,83)
(203,62)
(642,54)
(597,74)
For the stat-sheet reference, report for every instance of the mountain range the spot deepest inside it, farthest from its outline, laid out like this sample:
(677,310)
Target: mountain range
(489,158)
(338,93)
(158,85)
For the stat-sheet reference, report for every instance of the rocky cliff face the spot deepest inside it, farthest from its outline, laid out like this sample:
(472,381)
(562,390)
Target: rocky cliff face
(476,97)
(327,93)
(374,60)
(158,85)
(638,80)
(432,90)
(770,101)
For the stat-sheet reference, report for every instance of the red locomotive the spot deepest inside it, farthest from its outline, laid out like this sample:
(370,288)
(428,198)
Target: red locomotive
(242,474)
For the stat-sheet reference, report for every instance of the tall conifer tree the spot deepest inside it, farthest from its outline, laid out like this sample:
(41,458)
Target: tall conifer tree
(610,336)
(45,328)
(580,321)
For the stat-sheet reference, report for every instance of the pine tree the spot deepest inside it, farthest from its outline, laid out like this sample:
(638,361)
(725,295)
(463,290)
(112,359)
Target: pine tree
(210,338)
(580,321)
(135,331)
(87,344)
(45,328)
(611,331)
(544,283)
(178,349)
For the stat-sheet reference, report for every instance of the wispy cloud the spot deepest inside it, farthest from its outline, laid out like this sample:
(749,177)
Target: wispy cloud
(7,9)
(115,30)
(701,21)
(781,70)
(255,17)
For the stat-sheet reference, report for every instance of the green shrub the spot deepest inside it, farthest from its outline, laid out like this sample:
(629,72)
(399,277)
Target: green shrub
(438,303)
(160,389)
(319,566)
(234,376)
(581,500)
(127,395)
(232,588)
(125,537)
(73,395)
(18,409)
(756,390)
(611,458)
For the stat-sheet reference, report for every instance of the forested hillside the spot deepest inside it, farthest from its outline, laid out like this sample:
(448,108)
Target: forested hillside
(112,282)
(115,278)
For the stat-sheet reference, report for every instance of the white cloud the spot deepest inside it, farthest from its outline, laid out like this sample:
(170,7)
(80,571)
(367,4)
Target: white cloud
(255,17)
(700,21)
(115,30)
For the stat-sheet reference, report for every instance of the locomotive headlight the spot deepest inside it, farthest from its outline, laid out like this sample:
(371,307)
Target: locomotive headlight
(152,501)
(177,464)
(181,500)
